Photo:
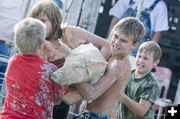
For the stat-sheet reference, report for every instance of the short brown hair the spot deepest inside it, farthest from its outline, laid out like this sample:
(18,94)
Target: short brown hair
(131,27)
(151,47)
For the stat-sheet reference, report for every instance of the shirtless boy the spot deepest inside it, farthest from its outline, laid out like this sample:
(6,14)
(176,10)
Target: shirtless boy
(124,37)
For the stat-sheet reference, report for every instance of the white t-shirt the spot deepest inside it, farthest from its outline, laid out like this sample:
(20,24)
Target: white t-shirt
(11,11)
(158,16)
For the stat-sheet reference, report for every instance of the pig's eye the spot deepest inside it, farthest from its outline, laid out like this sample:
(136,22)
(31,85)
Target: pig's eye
(77,67)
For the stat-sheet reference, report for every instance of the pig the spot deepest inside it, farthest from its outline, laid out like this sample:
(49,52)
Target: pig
(82,64)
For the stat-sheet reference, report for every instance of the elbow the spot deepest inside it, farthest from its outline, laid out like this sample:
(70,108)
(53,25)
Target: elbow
(93,97)
(141,113)
(72,99)
(90,99)
(90,96)
(70,103)
(67,101)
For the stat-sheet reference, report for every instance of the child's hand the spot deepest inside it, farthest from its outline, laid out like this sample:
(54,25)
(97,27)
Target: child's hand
(52,53)
(82,106)
(121,96)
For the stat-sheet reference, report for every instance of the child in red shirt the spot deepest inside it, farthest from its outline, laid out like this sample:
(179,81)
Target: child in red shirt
(30,94)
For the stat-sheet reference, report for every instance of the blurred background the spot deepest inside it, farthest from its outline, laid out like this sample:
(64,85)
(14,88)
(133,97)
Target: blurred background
(93,15)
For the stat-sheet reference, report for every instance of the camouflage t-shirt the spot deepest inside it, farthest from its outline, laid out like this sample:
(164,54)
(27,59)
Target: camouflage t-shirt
(147,88)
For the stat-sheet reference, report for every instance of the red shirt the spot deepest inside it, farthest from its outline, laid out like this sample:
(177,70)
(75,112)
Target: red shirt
(29,91)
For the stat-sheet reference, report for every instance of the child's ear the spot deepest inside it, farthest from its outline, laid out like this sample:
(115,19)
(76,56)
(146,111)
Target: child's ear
(43,46)
(43,51)
(156,63)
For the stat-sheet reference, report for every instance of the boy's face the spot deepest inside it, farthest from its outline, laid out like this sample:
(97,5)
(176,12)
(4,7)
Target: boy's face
(120,43)
(145,63)
(48,24)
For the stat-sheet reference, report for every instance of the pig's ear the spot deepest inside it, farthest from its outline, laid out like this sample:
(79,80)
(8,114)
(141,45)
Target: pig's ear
(96,69)
(66,48)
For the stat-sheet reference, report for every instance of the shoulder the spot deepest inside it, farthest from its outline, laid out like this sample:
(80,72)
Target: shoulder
(70,28)
(48,67)
(11,59)
(73,32)
(151,89)
(46,71)
(124,65)
(67,29)
(161,5)
(151,82)
(152,78)
(121,67)
(161,2)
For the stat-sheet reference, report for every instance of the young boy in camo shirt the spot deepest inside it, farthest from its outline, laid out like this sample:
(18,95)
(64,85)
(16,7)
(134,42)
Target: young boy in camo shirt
(142,90)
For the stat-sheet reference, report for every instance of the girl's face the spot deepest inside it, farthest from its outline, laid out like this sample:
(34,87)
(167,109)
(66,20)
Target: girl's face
(47,22)
(121,44)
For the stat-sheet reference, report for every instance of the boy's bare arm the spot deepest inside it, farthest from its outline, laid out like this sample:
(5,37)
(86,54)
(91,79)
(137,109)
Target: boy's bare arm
(77,36)
(140,108)
(101,43)
(72,97)
(92,92)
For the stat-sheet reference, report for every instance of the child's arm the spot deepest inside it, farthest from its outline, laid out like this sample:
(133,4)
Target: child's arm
(149,95)
(92,92)
(140,108)
(66,94)
(76,36)
(71,97)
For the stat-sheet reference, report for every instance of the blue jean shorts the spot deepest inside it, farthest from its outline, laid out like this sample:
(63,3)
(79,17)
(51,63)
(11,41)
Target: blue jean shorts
(91,115)
(5,51)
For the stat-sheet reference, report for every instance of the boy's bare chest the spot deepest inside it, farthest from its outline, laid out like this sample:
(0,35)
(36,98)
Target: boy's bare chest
(116,68)
(107,101)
